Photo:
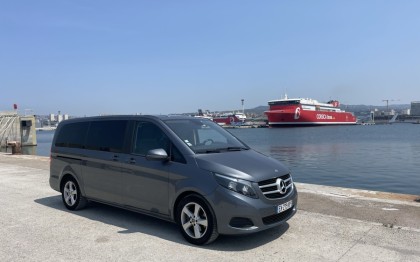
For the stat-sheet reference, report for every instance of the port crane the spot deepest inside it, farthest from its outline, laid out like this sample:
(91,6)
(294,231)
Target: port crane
(387,103)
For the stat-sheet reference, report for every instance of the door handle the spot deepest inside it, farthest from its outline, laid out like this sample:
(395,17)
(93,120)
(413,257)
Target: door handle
(115,158)
(132,161)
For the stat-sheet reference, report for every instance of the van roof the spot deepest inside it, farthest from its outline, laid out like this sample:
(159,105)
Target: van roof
(128,117)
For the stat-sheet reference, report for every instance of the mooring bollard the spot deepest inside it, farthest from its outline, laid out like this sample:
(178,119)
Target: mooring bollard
(16,147)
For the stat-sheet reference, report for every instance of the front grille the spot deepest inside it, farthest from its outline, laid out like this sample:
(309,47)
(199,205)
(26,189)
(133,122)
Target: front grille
(277,217)
(277,187)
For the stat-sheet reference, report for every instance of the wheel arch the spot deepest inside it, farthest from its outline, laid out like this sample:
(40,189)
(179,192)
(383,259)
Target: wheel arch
(66,176)
(185,194)
(195,198)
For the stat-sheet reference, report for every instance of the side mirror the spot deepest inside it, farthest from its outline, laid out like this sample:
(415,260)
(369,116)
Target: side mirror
(158,154)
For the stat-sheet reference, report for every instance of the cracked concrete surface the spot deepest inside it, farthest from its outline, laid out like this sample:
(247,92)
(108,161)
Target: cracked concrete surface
(332,224)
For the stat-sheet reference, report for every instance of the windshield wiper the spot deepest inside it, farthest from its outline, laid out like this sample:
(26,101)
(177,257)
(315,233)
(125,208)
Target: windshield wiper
(218,150)
(208,151)
(236,148)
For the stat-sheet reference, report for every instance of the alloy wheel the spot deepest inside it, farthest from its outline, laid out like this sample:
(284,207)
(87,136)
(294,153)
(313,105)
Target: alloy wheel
(70,193)
(194,220)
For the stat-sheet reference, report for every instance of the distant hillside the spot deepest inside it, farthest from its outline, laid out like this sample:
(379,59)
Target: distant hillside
(259,110)
(372,107)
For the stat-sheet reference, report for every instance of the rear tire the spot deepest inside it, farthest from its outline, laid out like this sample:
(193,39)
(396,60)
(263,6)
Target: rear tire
(196,220)
(72,196)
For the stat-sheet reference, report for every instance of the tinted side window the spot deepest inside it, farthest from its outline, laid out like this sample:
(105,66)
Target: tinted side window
(72,135)
(149,136)
(176,156)
(107,135)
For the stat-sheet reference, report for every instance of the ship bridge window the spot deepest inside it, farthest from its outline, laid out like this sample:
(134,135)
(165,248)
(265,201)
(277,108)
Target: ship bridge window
(284,103)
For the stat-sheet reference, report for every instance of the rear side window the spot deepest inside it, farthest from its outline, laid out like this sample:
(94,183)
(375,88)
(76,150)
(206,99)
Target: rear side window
(107,135)
(72,135)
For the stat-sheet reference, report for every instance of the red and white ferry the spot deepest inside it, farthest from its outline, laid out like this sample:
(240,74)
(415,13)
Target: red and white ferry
(230,119)
(306,111)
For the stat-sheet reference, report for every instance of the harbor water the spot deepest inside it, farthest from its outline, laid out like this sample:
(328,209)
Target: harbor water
(375,157)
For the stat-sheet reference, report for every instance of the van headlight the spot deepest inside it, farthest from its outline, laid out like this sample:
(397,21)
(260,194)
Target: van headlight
(238,185)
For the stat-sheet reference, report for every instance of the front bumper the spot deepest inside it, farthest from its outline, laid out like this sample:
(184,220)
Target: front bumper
(238,214)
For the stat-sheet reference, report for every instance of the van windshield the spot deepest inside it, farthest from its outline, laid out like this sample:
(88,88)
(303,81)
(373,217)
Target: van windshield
(204,136)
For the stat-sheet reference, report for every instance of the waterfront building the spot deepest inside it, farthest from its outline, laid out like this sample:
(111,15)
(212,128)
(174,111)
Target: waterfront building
(384,113)
(55,119)
(415,108)
(406,111)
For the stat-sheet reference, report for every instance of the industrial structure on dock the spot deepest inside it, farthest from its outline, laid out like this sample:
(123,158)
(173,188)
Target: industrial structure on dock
(15,128)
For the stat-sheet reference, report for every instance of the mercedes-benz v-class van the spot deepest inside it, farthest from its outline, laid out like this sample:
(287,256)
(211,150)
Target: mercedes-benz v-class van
(183,169)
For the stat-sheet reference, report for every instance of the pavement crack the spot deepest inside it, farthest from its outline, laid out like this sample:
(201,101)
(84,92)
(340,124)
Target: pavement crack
(357,242)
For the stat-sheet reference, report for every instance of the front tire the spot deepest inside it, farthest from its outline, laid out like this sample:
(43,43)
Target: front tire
(71,195)
(196,220)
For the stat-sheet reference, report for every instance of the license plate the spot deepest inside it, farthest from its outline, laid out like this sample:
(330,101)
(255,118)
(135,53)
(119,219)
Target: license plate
(284,207)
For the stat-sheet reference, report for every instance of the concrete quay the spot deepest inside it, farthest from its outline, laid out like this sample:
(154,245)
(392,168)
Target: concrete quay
(332,224)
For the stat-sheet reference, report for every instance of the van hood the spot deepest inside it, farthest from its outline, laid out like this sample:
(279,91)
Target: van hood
(248,165)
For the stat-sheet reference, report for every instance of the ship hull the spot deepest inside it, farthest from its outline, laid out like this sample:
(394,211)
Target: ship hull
(228,120)
(296,116)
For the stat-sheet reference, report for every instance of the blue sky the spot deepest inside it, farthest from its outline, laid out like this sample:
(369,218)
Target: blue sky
(159,57)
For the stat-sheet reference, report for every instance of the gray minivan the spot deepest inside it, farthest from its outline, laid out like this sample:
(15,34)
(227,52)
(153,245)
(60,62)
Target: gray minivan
(183,169)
